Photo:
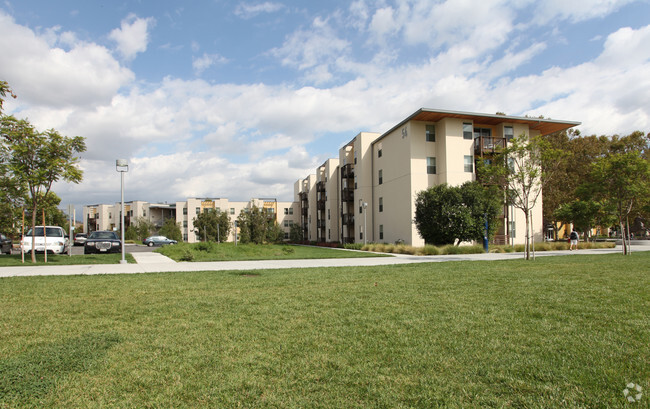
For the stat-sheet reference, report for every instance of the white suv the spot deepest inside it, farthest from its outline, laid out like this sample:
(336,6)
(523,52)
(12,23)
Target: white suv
(55,236)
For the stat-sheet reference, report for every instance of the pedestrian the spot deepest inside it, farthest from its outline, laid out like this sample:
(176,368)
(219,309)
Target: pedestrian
(573,237)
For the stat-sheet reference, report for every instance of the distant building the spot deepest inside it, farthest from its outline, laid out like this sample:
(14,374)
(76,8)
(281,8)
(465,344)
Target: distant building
(107,217)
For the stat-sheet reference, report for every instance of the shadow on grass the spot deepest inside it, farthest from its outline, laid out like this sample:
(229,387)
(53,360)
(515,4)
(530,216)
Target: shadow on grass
(32,374)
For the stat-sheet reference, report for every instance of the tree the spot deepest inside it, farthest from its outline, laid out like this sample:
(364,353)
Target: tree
(4,90)
(171,230)
(143,228)
(212,225)
(257,226)
(522,169)
(621,179)
(36,160)
(295,233)
(447,215)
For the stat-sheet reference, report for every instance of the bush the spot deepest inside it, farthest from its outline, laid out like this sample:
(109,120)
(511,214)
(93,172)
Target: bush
(187,255)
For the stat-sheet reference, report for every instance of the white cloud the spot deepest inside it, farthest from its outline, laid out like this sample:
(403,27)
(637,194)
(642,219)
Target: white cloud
(206,61)
(133,35)
(44,74)
(247,11)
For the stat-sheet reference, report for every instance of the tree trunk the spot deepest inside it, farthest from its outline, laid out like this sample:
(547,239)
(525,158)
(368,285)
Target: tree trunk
(620,223)
(33,252)
(527,245)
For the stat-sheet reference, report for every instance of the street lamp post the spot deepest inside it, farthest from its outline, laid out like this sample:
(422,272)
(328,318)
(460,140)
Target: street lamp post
(122,166)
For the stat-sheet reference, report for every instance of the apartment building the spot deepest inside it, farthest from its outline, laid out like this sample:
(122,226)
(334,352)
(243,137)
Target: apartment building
(380,174)
(107,217)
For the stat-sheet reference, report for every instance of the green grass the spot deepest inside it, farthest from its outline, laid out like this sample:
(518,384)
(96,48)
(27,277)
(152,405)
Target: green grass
(229,252)
(559,332)
(63,259)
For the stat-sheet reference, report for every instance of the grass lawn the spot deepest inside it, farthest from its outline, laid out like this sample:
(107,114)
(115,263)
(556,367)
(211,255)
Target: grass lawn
(558,332)
(230,252)
(59,259)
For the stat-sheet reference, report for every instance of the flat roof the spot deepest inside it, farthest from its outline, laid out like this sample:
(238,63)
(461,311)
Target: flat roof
(543,125)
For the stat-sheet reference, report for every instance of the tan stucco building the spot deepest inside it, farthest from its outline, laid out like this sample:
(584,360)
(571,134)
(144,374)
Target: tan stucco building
(379,175)
(107,217)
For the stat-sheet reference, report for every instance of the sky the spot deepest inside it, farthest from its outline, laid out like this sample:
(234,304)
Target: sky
(239,99)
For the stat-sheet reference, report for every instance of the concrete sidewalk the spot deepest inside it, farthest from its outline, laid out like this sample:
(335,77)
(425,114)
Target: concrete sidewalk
(157,263)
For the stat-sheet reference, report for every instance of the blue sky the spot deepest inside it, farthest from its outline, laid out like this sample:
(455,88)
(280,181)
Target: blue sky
(239,99)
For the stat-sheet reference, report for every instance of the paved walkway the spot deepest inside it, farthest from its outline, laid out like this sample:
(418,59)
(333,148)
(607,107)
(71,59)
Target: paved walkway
(157,263)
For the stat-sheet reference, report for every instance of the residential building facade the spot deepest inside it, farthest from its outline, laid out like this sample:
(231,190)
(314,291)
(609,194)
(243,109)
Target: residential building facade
(381,174)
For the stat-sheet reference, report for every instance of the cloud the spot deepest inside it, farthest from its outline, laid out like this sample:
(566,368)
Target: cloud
(197,138)
(44,73)
(206,61)
(133,35)
(247,11)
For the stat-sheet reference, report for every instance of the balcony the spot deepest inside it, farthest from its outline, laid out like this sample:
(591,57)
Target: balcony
(347,195)
(348,219)
(320,224)
(488,145)
(320,186)
(320,205)
(347,171)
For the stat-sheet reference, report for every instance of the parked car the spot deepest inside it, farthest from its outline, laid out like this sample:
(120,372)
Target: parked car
(5,244)
(52,237)
(158,241)
(80,239)
(102,242)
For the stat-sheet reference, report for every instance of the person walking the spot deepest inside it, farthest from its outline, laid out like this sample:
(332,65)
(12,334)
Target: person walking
(573,237)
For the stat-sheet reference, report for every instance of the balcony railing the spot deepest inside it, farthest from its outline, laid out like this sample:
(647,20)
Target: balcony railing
(348,219)
(320,205)
(347,171)
(347,195)
(320,186)
(488,144)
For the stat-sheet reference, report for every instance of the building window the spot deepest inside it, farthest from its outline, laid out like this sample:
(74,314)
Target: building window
(431,133)
(355,181)
(286,236)
(144,213)
(184,237)
(291,210)
(198,210)
(232,210)
(469,163)
(508,133)
(329,234)
(110,216)
(379,153)
(381,204)
(286,223)
(482,133)
(185,211)
(381,176)
(360,235)
(185,223)
(468,131)
(381,232)
(328,214)
(286,210)
(355,157)
(431,166)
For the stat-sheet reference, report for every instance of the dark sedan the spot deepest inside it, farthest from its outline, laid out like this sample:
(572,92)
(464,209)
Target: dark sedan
(158,241)
(5,244)
(102,242)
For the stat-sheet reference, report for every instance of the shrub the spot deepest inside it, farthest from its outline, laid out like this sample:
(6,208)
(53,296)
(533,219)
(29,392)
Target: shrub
(187,255)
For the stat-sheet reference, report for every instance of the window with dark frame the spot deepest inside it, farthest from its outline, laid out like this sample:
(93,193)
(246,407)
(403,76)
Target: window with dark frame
(431,133)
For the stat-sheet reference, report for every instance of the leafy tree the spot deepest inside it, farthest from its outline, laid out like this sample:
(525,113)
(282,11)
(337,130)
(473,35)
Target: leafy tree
(571,170)
(621,179)
(143,228)
(295,233)
(212,225)
(446,214)
(274,233)
(584,214)
(131,233)
(36,160)
(171,230)
(523,168)
(256,226)
(4,90)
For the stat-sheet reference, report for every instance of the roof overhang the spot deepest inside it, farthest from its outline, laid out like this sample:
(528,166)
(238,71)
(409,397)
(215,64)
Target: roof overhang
(544,126)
